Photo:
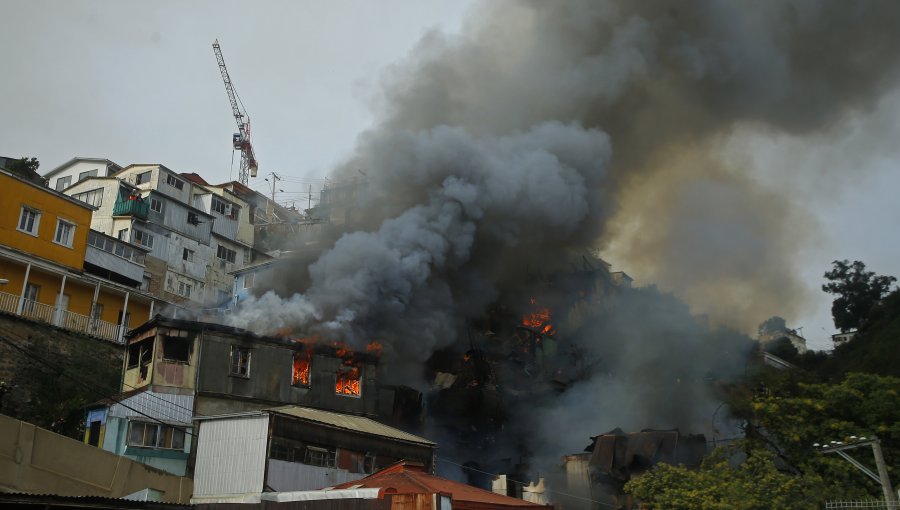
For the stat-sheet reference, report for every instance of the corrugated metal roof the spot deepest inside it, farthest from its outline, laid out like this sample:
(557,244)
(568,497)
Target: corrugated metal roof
(350,422)
(409,478)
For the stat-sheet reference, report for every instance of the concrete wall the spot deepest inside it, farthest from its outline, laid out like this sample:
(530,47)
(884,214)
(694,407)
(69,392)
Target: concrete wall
(38,461)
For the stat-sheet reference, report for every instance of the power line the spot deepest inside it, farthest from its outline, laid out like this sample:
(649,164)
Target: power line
(89,386)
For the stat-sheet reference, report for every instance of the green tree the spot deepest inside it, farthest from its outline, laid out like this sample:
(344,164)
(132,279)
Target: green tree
(788,414)
(857,291)
(724,483)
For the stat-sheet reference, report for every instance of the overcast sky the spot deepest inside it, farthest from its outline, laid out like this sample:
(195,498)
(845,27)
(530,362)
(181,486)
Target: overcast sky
(138,83)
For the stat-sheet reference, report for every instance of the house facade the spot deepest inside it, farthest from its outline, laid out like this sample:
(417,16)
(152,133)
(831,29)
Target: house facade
(78,169)
(293,448)
(48,255)
(176,370)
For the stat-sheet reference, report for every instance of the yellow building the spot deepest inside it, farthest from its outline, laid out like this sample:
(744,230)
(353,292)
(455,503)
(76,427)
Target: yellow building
(43,241)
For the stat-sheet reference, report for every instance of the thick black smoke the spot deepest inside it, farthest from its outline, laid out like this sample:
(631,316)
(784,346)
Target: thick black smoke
(553,127)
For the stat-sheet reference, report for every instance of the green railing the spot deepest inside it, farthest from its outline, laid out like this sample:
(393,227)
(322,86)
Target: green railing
(138,208)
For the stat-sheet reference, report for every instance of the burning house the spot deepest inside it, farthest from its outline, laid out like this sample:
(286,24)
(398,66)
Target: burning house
(176,370)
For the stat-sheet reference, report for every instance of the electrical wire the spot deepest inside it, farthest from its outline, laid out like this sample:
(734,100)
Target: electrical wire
(87,385)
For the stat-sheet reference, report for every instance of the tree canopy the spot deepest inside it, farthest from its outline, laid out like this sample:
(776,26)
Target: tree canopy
(857,291)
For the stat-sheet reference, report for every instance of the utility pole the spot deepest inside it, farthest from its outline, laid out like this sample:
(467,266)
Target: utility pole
(882,477)
(275,178)
(309,202)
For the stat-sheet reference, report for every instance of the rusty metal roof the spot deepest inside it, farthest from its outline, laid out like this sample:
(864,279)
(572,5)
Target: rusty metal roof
(349,422)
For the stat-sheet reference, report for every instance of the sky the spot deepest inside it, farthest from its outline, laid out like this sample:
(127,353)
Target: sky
(138,83)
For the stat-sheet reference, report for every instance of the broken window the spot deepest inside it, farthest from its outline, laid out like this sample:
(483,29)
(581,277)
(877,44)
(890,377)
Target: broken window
(300,370)
(176,348)
(139,353)
(155,435)
(240,361)
(347,382)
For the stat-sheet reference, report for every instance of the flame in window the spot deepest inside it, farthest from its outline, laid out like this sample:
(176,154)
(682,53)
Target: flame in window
(300,372)
(375,348)
(347,382)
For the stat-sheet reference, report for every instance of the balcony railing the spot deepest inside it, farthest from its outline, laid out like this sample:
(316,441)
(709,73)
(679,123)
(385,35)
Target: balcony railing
(138,208)
(10,303)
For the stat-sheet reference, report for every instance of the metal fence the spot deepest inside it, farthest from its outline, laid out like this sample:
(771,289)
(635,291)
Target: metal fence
(862,503)
(10,303)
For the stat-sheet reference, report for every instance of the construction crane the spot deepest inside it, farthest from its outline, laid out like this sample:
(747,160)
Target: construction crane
(240,140)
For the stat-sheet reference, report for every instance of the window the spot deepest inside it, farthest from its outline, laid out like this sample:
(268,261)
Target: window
(218,206)
(84,175)
(226,254)
(176,348)
(193,219)
(187,255)
(249,279)
(184,289)
(300,370)
(139,353)
(97,312)
(143,238)
(347,382)
(93,197)
(63,182)
(123,234)
(240,361)
(65,232)
(156,205)
(29,220)
(155,435)
(323,457)
(143,177)
(175,183)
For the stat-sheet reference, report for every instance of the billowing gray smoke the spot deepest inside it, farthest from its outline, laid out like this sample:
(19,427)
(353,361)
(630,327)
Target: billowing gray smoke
(549,127)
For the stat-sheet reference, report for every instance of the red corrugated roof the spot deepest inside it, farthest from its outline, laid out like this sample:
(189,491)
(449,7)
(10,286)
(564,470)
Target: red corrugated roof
(410,478)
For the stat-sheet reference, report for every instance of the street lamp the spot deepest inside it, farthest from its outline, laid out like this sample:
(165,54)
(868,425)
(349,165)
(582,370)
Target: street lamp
(839,447)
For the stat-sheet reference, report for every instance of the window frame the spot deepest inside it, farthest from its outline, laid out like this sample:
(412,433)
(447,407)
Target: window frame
(71,237)
(88,173)
(159,436)
(187,255)
(139,235)
(157,203)
(242,367)
(90,196)
(251,278)
(35,222)
(174,182)
(63,182)
(230,255)
(143,177)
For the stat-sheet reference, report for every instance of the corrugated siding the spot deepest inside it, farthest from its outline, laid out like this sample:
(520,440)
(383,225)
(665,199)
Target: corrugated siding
(292,476)
(162,406)
(231,456)
(350,422)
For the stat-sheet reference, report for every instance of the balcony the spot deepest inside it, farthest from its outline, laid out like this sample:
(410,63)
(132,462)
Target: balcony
(126,207)
(65,319)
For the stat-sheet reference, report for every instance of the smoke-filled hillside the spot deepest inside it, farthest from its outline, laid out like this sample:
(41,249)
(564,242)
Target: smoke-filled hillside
(551,128)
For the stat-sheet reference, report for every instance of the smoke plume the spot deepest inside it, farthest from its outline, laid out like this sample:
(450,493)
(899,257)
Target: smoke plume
(547,128)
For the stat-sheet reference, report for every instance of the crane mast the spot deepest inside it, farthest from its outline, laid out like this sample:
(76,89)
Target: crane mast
(240,140)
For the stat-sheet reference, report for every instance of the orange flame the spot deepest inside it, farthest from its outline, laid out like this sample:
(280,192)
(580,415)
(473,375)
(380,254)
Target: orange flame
(375,348)
(300,373)
(539,320)
(347,382)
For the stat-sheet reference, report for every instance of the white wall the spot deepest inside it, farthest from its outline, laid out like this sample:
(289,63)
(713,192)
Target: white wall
(231,456)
